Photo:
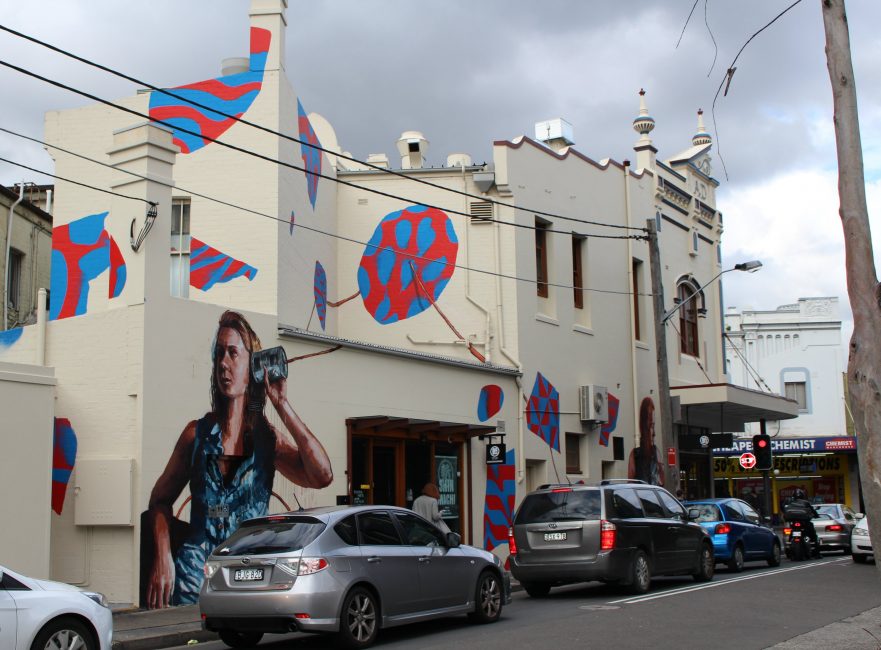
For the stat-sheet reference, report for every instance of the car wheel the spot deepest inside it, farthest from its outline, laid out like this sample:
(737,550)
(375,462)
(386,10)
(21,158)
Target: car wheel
(706,565)
(359,622)
(236,639)
(640,574)
(64,634)
(536,589)
(860,559)
(774,560)
(488,599)
(736,561)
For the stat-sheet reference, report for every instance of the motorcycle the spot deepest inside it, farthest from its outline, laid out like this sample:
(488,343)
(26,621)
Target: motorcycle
(799,545)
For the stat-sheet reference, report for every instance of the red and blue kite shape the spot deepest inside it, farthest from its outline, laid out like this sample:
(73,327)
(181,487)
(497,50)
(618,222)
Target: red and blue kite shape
(490,402)
(543,412)
(311,155)
(498,508)
(208,266)
(81,251)
(320,291)
(416,238)
(63,460)
(228,95)
(607,429)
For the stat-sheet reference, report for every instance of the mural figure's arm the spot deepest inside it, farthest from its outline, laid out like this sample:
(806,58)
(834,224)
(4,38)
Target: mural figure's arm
(160,583)
(631,464)
(299,456)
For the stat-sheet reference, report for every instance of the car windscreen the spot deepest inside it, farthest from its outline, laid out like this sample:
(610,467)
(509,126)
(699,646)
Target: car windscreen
(270,536)
(832,511)
(707,511)
(568,505)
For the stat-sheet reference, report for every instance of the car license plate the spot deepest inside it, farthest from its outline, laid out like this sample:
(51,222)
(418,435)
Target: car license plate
(796,534)
(247,575)
(555,537)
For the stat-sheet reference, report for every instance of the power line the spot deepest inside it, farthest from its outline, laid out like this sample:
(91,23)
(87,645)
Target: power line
(279,219)
(215,110)
(753,373)
(275,161)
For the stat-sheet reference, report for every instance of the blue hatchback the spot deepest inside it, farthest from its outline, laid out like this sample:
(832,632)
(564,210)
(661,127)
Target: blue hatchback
(737,532)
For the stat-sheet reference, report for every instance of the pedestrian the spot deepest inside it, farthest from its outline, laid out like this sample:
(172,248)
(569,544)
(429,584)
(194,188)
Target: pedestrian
(426,505)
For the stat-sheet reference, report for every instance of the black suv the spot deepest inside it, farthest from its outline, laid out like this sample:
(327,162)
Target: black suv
(620,531)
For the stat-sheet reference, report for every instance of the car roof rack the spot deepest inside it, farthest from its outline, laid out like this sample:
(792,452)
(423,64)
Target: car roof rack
(547,486)
(616,481)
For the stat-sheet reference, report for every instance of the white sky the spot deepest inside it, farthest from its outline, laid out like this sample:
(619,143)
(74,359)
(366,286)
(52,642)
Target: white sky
(466,73)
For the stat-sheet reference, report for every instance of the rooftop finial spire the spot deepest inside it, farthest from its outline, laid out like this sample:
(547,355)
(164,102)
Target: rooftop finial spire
(701,137)
(643,124)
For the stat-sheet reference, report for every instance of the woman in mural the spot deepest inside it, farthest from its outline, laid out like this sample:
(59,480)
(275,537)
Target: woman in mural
(229,458)
(645,460)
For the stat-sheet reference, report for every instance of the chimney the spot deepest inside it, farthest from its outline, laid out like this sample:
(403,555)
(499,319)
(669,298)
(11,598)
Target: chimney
(556,133)
(412,146)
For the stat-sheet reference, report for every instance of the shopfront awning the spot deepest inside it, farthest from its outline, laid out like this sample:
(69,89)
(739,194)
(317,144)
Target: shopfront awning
(725,407)
(415,428)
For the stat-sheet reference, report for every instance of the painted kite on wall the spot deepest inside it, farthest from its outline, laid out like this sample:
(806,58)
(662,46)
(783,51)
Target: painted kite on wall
(63,461)
(416,238)
(208,266)
(231,94)
(81,251)
(498,508)
(607,429)
(543,412)
(320,291)
(311,155)
(9,337)
(490,402)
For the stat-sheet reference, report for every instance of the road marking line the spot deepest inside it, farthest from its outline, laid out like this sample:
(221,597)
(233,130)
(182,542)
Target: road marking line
(719,583)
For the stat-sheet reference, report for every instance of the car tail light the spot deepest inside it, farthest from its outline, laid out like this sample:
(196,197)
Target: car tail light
(835,528)
(210,569)
(561,490)
(512,544)
(796,524)
(608,531)
(302,615)
(786,531)
(722,529)
(310,565)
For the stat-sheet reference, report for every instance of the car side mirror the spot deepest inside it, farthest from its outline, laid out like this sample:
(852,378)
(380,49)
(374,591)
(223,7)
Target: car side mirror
(1,576)
(859,515)
(694,514)
(453,540)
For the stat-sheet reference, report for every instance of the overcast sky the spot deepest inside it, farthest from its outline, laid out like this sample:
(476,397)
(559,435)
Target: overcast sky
(467,72)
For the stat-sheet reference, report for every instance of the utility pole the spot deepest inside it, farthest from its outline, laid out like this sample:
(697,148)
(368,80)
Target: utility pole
(864,364)
(665,417)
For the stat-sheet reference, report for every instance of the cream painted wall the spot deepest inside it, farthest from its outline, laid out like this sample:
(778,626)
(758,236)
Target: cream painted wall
(26,402)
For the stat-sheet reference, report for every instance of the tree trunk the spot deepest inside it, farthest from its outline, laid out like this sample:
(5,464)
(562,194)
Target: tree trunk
(864,364)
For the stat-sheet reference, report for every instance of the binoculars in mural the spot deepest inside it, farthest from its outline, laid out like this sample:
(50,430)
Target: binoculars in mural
(273,361)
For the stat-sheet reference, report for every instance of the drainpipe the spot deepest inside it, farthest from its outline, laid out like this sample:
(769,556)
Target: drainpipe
(8,247)
(41,327)
(633,302)
(487,350)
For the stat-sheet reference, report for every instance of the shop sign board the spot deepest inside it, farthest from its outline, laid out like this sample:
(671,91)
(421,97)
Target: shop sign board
(794,445)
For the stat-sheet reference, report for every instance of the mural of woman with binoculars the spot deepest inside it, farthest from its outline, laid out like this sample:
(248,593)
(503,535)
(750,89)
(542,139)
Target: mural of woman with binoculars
(228,458)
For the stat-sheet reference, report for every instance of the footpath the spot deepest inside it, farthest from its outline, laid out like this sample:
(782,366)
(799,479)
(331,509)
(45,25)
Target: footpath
(177,626)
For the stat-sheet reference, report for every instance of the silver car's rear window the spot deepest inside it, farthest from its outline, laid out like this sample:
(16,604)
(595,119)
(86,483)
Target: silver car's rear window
(270,536)
(559,505)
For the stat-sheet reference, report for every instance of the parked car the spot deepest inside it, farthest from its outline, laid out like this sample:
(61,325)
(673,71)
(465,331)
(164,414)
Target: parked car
(739,534)
(833,526)
(860,542)
(39,614)
(345,570)
(620,531)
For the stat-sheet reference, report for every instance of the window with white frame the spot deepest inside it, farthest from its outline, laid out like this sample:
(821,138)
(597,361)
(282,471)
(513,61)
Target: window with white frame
(180,248)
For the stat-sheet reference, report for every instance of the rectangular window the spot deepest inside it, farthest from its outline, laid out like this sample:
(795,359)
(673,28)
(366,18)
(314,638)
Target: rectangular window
(180,248)
(541,258)
(637,298)
(797,390)
(13,282)
(573,453)
(578,271)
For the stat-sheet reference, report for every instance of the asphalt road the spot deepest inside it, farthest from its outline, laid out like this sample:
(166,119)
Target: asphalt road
(757,608)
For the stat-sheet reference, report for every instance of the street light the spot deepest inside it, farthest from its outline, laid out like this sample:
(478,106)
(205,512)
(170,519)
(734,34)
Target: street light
(750,267)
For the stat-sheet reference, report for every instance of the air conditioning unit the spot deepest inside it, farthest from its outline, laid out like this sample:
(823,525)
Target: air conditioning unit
(594,401)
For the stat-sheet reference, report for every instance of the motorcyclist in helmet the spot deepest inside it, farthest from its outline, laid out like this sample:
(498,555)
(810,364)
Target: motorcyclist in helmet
(800,500)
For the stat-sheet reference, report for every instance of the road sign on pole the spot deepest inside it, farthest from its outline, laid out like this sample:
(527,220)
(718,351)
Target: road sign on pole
(747,460)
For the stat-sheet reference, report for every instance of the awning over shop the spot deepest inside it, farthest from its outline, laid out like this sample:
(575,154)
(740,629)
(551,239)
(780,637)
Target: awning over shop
(725,407)
(414,428)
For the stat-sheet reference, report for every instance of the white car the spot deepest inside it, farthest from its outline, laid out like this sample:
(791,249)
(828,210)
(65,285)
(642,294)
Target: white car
(860,543)
(45,615)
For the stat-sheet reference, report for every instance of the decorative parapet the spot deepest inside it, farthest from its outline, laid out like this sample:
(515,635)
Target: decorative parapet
(666,190)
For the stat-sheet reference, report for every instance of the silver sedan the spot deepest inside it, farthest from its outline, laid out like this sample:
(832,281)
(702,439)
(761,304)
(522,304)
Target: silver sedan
(345,570)
(833,526)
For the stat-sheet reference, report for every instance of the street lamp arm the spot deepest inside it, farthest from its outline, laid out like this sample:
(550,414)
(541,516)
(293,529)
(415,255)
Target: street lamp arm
(749,267)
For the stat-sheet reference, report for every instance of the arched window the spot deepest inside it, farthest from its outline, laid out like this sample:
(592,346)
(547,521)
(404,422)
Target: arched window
(688,296)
